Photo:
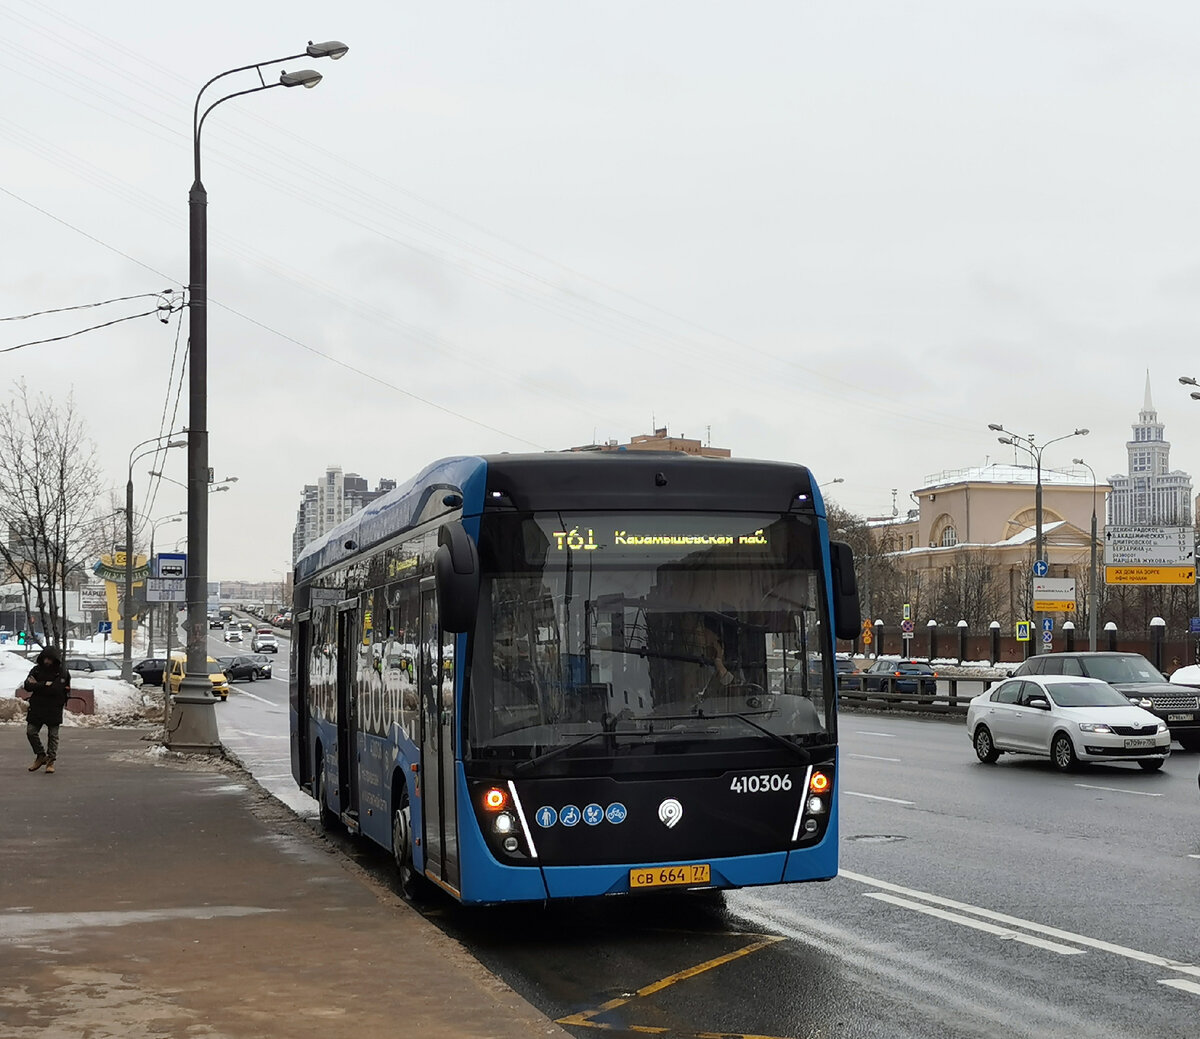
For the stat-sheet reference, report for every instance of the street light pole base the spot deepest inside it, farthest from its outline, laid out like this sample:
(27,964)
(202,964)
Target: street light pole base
(192,725)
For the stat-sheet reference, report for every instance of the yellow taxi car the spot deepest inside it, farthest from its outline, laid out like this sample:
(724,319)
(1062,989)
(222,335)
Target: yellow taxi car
(220,681)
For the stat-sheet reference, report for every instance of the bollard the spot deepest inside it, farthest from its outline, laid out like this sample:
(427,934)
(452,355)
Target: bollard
(931,627)
(1158,629)
(962,641)
(1069,632)
(994,627)
(878,638)
(1110,629)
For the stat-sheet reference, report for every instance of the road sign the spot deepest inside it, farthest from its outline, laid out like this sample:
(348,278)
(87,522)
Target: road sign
(1041,568)
(1054,594)
(906,627)
(104,628)
(867,639)
(1194,626)
(1022,631)
(166,589)
(1047,638)
(1149,575)
(906,613)
(1149,546)
(1047,624)
(170,564)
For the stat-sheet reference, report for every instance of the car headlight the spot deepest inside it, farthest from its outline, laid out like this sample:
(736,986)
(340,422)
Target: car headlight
(1162,727)
(1094,727)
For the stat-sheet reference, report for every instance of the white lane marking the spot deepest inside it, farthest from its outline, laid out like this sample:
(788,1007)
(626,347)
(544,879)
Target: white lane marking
(885,735)
(873,757)
(255,696)
(260,735)
(979,925)
(1028,925)
(876,797)
(1194,856)
(1118,790)
(1179,983)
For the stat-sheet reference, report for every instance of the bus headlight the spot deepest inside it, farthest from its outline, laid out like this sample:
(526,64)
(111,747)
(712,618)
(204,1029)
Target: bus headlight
(815,806)
(503,824)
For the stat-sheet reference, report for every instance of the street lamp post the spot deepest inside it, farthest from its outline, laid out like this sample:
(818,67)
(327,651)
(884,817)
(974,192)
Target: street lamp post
(1187,380)
(1092,591)
(194,724)
(127,603)
(1027,443)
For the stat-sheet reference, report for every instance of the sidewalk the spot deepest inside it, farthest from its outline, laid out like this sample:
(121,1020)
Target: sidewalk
(146,895)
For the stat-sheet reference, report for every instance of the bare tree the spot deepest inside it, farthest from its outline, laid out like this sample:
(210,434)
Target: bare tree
(48,479)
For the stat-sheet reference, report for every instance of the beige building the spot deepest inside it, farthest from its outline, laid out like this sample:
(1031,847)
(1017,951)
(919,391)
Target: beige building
(660,440)
(977,527)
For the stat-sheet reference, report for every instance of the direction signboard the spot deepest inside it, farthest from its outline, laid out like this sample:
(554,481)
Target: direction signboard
(166,589)
(1054,594)
(1149,546)
(1150,575)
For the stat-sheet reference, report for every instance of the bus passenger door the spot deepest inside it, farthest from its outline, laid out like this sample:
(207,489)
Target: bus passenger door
(433,745)
(347,712)
(299,693)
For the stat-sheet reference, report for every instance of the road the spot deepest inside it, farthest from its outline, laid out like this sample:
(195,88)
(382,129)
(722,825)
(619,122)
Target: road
(973,900)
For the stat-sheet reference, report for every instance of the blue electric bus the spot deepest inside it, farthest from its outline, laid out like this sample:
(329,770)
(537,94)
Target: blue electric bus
(575,674)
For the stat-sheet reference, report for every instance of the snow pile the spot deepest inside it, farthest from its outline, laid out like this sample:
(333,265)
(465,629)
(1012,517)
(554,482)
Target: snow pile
(117,702)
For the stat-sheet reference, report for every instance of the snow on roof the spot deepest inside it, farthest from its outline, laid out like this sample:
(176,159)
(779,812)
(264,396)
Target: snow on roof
(1000,473)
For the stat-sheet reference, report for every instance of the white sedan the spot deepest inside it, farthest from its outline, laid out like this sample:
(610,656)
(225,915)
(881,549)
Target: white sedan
(233,635)
(1070,718)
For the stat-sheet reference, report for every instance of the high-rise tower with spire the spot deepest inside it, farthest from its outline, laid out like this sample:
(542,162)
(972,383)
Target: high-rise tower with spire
(1151,494)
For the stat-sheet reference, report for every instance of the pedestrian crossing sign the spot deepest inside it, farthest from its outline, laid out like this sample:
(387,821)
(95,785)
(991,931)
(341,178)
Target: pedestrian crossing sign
(1022,631)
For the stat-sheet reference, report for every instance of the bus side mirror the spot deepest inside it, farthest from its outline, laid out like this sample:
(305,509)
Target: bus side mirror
(456,567)
(846,611)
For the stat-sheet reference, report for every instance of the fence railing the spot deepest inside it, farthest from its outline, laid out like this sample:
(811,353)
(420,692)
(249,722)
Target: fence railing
(939,696)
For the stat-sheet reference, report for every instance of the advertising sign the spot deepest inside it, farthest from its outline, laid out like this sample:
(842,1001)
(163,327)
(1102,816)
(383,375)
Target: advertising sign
(1054,594)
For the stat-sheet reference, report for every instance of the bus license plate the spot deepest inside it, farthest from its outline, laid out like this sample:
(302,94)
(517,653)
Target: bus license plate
(667,876)
(1139,743)
(1181,717)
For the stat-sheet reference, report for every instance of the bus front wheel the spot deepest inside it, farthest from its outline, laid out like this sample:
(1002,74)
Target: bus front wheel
(329,817)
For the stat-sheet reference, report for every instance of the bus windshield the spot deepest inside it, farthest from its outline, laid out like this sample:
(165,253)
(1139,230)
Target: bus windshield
(657,632)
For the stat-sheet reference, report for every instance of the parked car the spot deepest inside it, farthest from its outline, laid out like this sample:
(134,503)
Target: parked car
(152,670)
(178,670)
(233,635)
(1070,718)
(848,673)
(264,643)
(250,667)
(101,667)
(1132,674)
(909,676)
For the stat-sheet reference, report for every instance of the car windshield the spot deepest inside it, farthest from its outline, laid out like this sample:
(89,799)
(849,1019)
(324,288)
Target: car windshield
(660,631)
(1086,694)
(1124,670)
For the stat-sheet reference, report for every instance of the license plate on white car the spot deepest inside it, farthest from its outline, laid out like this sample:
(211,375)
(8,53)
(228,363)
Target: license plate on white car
(1139,743)
(1181,717)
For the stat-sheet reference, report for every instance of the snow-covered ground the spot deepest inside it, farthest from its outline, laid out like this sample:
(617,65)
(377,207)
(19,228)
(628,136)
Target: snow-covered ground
(117,702)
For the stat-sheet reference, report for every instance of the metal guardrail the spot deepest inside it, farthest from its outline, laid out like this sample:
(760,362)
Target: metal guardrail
(951,696)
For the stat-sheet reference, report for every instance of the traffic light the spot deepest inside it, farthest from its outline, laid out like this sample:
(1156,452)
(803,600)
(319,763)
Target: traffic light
(20,638)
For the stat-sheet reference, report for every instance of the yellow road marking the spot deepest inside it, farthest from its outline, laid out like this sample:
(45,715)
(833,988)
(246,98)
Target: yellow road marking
(585,1018)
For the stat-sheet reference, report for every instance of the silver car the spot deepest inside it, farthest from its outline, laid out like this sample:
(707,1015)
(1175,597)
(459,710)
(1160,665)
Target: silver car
(1069,718)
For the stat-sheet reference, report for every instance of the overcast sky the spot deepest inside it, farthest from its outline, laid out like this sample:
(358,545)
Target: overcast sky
(844,234)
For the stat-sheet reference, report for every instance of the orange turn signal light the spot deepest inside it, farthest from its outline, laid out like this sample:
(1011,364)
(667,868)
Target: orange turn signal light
(495,799)
(819,783)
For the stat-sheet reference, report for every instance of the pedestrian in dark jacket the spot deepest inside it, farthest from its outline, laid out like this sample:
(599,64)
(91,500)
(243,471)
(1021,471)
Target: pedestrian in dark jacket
(49,685)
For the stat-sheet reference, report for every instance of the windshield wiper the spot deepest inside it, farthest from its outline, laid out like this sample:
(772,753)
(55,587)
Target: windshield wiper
(803,755)
(554,752)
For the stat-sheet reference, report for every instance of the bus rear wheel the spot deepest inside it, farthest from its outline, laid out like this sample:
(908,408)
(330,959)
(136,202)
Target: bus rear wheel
(408,879)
